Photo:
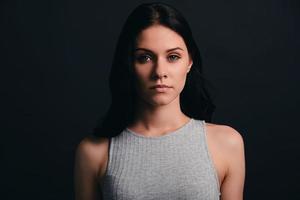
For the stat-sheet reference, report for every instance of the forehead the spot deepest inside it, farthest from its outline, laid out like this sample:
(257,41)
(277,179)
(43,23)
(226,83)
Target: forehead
(158,37)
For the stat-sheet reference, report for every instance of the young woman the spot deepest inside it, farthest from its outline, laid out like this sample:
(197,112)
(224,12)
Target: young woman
(155,141)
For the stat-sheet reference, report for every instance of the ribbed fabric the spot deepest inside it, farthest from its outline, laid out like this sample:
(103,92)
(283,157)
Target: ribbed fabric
(169,167)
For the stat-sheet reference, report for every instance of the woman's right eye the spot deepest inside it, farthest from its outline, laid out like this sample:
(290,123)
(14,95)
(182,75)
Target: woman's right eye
(143,58)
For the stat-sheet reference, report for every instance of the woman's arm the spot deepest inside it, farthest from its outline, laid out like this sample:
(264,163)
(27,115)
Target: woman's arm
(89,161)
(233,185)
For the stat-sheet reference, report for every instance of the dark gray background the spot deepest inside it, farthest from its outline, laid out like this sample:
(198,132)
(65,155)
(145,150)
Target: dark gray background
(55,62)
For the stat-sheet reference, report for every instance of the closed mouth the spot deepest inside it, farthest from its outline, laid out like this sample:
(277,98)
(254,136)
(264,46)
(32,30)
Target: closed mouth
(160,86)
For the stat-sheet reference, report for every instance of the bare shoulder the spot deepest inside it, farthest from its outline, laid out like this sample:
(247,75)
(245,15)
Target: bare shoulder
(90,159)
(225,136)
(227,147)
(91,144)
(92,153)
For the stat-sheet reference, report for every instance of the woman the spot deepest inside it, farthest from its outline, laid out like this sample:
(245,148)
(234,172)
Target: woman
(154,142)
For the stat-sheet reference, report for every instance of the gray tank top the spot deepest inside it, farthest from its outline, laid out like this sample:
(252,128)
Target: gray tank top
(174,166)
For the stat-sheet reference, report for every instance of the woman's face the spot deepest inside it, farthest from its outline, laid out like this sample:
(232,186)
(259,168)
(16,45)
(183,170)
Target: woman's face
(160,58)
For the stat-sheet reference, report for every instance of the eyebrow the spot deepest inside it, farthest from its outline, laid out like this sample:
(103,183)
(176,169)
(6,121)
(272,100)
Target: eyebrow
(144,49)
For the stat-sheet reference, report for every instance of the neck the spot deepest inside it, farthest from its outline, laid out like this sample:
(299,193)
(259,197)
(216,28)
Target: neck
(158,118)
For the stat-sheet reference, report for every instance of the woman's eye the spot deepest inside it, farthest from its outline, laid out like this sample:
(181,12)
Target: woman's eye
(173,57)
(143,58)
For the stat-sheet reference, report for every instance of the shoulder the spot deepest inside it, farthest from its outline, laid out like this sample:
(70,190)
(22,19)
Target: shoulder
(226,143)
(91,153)
(227,147)
(225,136)
(90,159)
(90,143)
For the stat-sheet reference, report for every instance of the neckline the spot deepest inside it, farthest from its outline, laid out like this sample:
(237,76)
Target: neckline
(166,135)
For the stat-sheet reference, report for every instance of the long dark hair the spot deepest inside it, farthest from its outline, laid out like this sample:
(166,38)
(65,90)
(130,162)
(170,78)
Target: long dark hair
(195,100)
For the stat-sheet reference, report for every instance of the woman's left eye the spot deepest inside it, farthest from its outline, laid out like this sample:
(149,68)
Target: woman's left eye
(173,57)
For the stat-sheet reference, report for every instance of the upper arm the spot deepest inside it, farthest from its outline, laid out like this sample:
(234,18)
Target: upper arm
(233,185)
(89,159)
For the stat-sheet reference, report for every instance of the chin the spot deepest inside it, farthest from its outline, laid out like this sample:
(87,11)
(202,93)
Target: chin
(159,103)
(160,100)
(157,99)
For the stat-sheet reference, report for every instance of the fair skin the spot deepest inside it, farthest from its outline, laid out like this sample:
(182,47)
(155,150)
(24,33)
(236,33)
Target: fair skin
(161,57)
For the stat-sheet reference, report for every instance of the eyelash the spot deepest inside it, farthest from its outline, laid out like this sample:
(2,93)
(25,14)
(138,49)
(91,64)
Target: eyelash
(140,58)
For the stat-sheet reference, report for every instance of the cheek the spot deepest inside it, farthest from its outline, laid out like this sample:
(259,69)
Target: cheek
(180,73)
(141,78)
(180,80)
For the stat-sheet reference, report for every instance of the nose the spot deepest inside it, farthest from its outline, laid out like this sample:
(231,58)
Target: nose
(160,69)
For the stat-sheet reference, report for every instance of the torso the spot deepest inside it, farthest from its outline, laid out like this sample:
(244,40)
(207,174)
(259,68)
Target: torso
(215,138)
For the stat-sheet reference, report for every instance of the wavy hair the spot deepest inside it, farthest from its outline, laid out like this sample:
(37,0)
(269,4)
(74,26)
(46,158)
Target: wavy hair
(195,100)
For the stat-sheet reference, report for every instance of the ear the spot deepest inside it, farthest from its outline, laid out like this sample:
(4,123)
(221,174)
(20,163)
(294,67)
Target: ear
(190,65)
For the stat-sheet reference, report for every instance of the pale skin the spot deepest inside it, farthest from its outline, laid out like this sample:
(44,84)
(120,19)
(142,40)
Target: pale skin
(162,58)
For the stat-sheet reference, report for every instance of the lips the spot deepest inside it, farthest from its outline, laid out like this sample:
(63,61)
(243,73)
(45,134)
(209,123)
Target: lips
(160,86)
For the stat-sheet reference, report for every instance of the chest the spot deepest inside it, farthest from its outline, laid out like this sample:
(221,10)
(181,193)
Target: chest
(175,173)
